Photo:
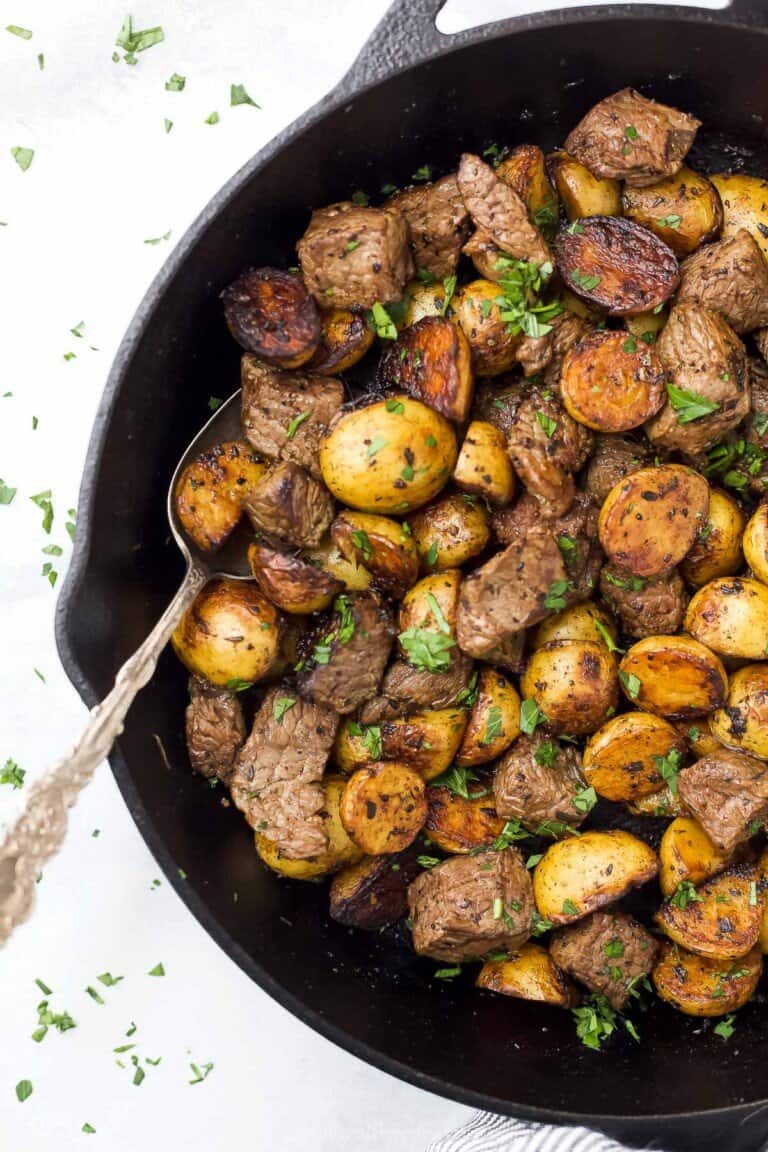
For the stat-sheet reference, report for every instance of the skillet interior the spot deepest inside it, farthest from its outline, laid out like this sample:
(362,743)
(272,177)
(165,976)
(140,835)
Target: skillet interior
(366,992)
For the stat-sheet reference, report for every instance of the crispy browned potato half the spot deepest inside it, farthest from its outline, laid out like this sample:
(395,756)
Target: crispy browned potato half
(687,853)
(292,584)
(420,300)
(673,676)
(621,759)
(683,210)
(574,683)
(484,467)
(745,205)
(270,312)
(699,986)
(345,337)
(583,873)
(582,193)
(230,633)
(432,603)
(649,520)
(724,921)
(716,550)
(383,807)
(584,621)
(426,741)
(529,974)
(381,545)
(458,825)
(755,544)
(616,264)
(494,722)
(478,312)
(742,722)
(664,804)
(211,492)
(340,851)
(431,361)
(451,531)
(371,893)
(525,170)
(730,616)
(612,382)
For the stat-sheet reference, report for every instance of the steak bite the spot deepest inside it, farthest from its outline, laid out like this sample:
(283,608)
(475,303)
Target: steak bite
(567,329)
(470,905)
(613,458)
(499,212)
(285,414)
(292,505)
(347,653)
(546,447)
(730,277)
(727,792)
(536,782)
(608,952)
(353,257)
(276,781)
(651,607)
(438,223)
(214,728)
(406,689)
(627,137)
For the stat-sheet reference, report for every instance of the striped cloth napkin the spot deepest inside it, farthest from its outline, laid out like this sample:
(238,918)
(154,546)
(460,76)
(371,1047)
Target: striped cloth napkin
(488,1133)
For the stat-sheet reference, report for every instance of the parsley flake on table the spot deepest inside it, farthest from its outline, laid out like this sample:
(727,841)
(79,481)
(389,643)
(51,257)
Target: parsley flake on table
(689,405)
(94,995)
(6,494)
(22,33)
(136,40)
(159,239)
(238,95)
(158,970)
(200,1074)
(108,980)
(23,157)
(11,774)
(168,125)
(24,1090)
(213,118)
(176,83)
(88,1128)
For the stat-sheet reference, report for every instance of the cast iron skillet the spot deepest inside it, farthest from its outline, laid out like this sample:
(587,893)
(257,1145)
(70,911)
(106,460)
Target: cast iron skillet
(413,97)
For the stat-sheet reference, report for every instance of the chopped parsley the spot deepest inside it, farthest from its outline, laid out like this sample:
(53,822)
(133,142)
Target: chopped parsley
(567,546)
(15,30)
(213,118)
(158,970)
(176,83)
(629,345)
(530,717)
(282,705)
(430,559)
(375,446)
(606,637)
(134,40)
(24,1090)
(422,174)
(555,598)
(688,405)
(539,925)
(61,1021)
(296,423)
(448,973)
(370,736)
(382,323)
(6,494)
(583,281)
(11,774)
(547,424)
(671,221)
(725,1027)
(546,754)
(437,612)
(153,240)
(630,683)
(585,800)
(449,287)
(522,307)
(200,1074)
(457,780)
(395,406)
(628,583)
(426,649)
(569,908)
(362,542)
(630,132)
(23,157)
(614,949)
(494,726)
(88,1128)
(668,768)
(238,685)
(360,198)
(595,1021)
(683,895)
(238,95)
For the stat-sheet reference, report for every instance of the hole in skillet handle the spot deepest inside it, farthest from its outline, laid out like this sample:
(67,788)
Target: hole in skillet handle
(461,15)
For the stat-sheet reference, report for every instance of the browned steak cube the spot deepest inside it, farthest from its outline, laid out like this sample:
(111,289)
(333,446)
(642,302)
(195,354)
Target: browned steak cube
(214,727)
(727,792)
(292,505)
(347,653)
(607,951)
(536,782)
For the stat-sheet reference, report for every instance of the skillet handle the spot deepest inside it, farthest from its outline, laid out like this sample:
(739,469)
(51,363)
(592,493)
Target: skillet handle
(39,831)
(406,34)
(750,12)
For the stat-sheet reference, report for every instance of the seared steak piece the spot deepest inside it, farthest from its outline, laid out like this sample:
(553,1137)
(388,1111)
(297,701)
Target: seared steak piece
(470,905)
(486,256)
(727,792)
(567,328)
(626,137)
(607,951)
(438,223)
(406,689)
(276,781)
(353,257)
(654,606)
(612,460)
(347,652)
(536,781)
(761,340)
(498,211)
(373,892)
(214,728)
(285,414)
(292,505)
(546,447)
(730,277)
(497,401)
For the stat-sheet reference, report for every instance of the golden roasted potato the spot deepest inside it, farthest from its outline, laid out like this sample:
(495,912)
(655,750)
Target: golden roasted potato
(484,467)
(270,313)
(582,193)
(683,210)
(584,621)
(451,531)
(381,545)
(211,492)
(389,456)
(700,986)
(420,300)
(494,722)
(673,676)
(716,550)
(646,326)
(340,851)
(431,362)
(574,684)
(664,803)
(650,519)
(755,543)
(426,741)
(525,170)
(699,738)
(292,584)
(616,264)
(730,616)
(328,557)
(529,974)
(459,825)
(431,604)
(371,893)
(231,633)
(723,919)
(583,873)
(621,760)
(742,722)
(611,382)
(745,205)
(687,854)
(478,308)
(383,807)
(345,337)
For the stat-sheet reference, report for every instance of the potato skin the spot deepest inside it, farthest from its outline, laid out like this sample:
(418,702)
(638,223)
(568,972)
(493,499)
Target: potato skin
(577,622)
(477,310)
(730,616)
(494,722)
(328,557)
(340,851)
(211,491)
(525,170)
(574,684)
(383,807)
(722,923)
(620,759)
(389,456)
(687,853)
(449,532)
(417,609)
(270,313)
(422,300)
(612,383)
(700,986)
(530,973)
(589,871)
(663,804)
(483,467)
(717,549)
(742,722)
(745,205)
(755,543)
(379,544)
(372,893)
(679,678)
(289,582)
(345,337)
(425,741)
(650,519)
(459,826)
(431,362)
(581,193)
(230,632)
(687,203)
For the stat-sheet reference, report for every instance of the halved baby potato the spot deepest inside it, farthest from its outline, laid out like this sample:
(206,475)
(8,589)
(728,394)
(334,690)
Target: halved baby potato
(459,825)
(724,919)
(582,873)
(649,520)
(292,584)
(381,545)
(270,313)
(426,741)
(345,337)
(701,986)
(484,467)
(328,557)
(698,737)
(673,676)
(582,193)
(230,633)
(646,326)
(371,893)
(612,382)
(341,849)
(621,760)
(584,621)
(432,603)
(478,309)
(530,973)
(574,683)
(742,722)
(717,548)
(451,531)
(687,853)
(431,361)
(683,210)
(730,616)
(211,492)
(494,722)
(755,544)
(745,205)
(525,170)
(383,807)
(422,299)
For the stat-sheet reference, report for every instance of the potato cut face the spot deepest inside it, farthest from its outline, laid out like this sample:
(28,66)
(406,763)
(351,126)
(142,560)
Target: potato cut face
(574,683)
(612,382)
(616,264)
(717,550)
(650,519)
(450,532)
(701,986)
(621,760)
(345,337)
(425,741)
(459,826)
(687,854)
(582,193)
(730,616)
(745,205)
(494,722)
(528,974)
(673,676)
(743,721)
(484,467)
(683,210)
(724,921)
(431,361)
(270,313)
(383,807)
(211,492)
(291,583)
(381,545)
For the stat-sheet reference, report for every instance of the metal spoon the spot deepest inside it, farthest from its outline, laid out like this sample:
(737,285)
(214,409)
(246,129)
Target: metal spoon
(39,831)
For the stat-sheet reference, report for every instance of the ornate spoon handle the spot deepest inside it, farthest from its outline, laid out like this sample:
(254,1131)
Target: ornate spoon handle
(39,831)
